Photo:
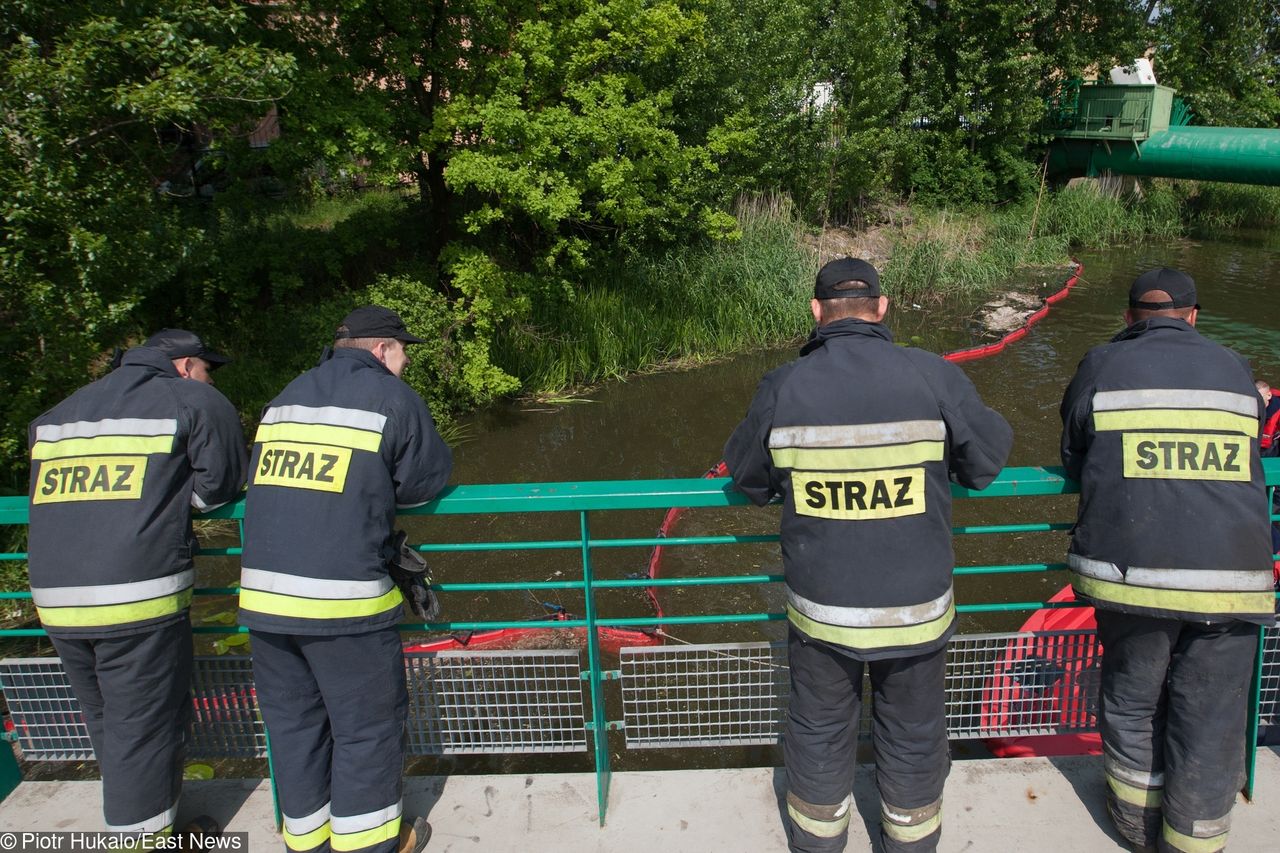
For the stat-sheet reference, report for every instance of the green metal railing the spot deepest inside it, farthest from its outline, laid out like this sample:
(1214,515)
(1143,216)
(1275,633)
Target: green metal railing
(589,498)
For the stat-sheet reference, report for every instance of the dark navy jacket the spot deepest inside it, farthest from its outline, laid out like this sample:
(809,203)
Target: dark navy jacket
(116,469)
(861,437)
(1160,426)
(337,451)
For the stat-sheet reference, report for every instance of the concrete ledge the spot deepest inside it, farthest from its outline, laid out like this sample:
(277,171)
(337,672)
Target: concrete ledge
(1051,805)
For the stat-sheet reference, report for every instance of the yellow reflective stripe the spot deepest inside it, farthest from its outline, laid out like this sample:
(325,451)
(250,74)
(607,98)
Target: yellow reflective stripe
(911,832)
(853,458)
(820,828)
(367,838)
(308,840)
(1182,600)
(1179,419)
(873,638)
(1147,798)
(356,439)
(103,445)
(1191,844)
(114,614)
(276,604)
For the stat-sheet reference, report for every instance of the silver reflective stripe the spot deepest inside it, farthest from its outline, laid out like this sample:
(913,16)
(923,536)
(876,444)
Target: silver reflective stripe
(858,435)
(1210,828)
(328,415)
(301,587)
(310,823)
(870,617)
(362,822)
(1176,398)
(114,593)
(1137,778)
(1203,580)
(198,503)
(107,426)
(151,824)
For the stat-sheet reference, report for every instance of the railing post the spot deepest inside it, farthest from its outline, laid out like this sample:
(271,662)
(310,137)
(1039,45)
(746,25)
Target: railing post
(10,771)
(1255,710)
(599,728)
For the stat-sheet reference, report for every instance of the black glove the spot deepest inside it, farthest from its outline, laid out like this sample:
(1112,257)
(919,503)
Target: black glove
(409,571)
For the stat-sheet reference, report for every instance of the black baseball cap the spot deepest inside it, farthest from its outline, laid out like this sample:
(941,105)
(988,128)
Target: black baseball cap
(842,270)
(1180,287)
(179,343)
(374,321)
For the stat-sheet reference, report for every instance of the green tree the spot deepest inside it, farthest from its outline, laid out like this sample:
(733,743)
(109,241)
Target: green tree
(97,98)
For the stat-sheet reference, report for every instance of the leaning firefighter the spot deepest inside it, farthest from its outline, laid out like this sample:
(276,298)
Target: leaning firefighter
(860,438)
(116,469)
(1160,427)
(323,585)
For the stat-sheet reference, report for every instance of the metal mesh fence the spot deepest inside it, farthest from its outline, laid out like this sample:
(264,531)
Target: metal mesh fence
(45,715)
(1269,701)
(705,695)
(227,723)
(496,702)
(1022,684)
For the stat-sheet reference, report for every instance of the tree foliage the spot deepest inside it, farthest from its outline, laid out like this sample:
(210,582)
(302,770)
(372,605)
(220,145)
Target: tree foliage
(96,100)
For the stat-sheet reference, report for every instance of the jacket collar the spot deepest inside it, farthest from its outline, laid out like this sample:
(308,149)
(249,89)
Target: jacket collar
(848,327)
(148,357)
(1154,324)
(363,356)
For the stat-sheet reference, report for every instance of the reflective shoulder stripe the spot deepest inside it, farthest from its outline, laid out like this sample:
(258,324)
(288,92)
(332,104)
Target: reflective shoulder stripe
(858,435)
(304,587)
(107,426)
(334,436)
(1193,843)
(1202,580)
(274,604)
(355,832)
(823,821)
(115,593)
(1176,398)
(327,415)
(1182,601)
(103,445)
(873,638)
(113,614)
(156,824)
(306,833)
(870,617)
(858,458)
(1175,419)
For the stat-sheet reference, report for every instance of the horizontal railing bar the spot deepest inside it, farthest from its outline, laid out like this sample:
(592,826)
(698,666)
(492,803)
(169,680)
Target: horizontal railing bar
(1010,569)
(1011,528)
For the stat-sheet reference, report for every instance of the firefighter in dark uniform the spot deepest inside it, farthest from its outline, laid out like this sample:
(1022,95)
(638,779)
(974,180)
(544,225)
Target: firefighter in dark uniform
(116,469)
(859,437)
(1160,427)
(337,451)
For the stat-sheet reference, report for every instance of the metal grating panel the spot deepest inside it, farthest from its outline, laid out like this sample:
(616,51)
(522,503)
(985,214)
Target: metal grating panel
(227,723)
(706,695)
(46,716)
(1269,701)
(496,702)
(1022,684)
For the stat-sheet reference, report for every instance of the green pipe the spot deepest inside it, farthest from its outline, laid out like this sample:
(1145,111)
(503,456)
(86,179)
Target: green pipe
(1243,155)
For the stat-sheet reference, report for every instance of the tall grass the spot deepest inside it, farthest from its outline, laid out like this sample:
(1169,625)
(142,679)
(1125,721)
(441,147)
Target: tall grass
(689,303)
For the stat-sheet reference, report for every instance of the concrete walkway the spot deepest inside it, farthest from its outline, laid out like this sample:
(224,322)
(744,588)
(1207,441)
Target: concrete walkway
(1046,805)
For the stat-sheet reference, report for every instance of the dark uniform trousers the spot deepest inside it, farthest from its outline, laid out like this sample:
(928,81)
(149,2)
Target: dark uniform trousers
(908,731)
(135,694)
(1173,714)
(335,709)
